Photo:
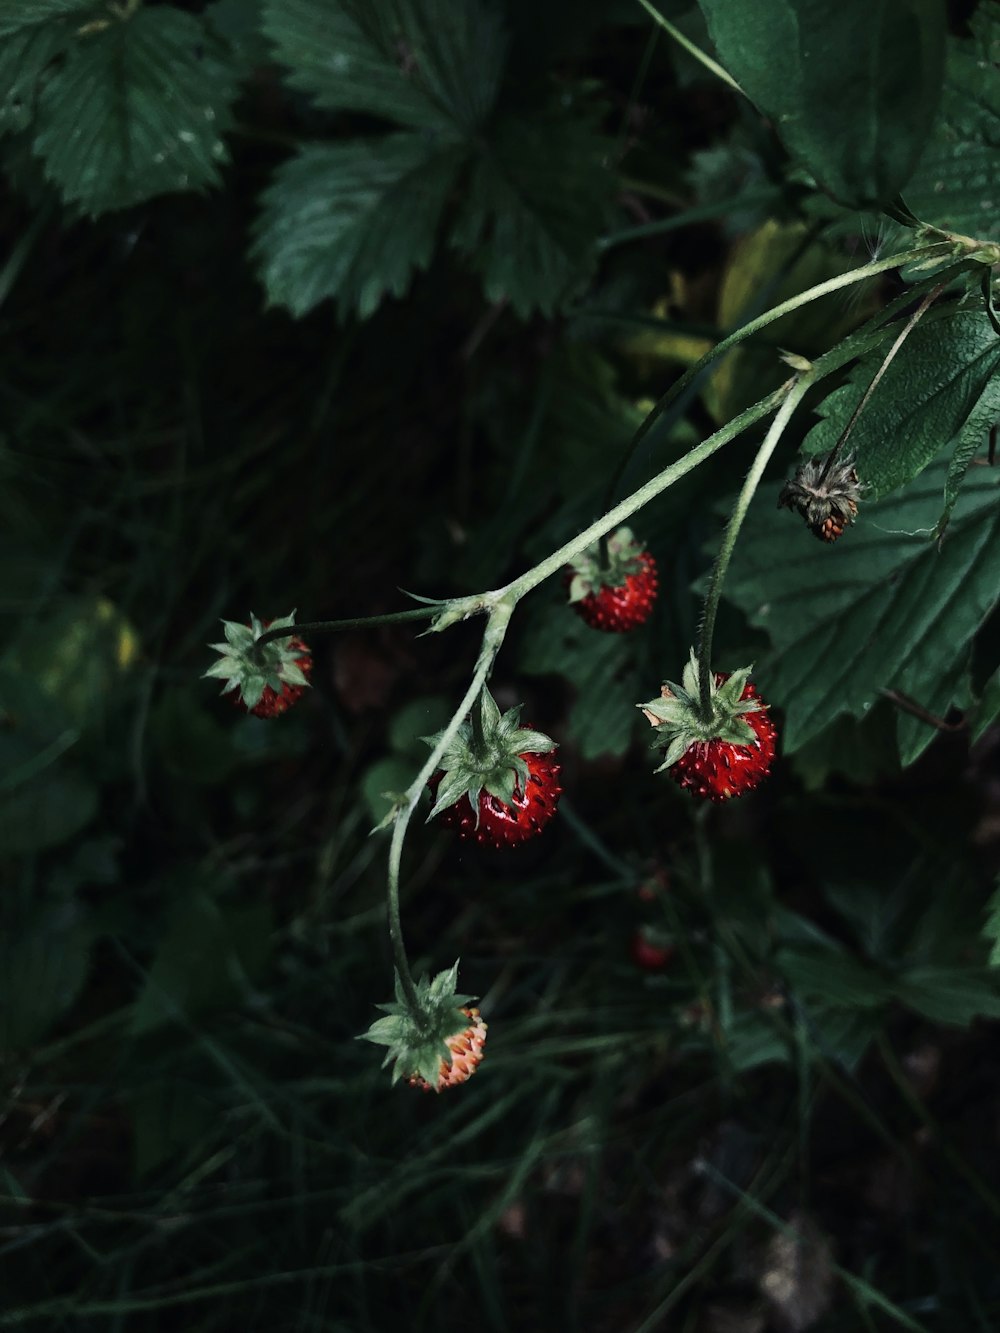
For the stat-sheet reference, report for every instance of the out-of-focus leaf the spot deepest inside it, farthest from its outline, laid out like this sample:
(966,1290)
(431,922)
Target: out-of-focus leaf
(954,995)
(851,88)
(42,970)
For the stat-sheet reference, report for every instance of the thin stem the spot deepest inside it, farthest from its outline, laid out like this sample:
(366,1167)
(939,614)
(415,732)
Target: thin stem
(796,390)
(496,628)
(360,622)
(901,338)
(690,47)
(531,578)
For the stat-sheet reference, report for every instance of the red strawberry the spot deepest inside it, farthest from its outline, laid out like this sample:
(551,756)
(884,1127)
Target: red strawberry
(434,1038)
(619,595)
(503,824)
(718,757)
(499,781)
(267,678)
(647,955)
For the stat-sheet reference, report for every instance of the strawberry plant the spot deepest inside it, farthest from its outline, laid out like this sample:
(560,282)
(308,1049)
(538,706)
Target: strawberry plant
(545,313)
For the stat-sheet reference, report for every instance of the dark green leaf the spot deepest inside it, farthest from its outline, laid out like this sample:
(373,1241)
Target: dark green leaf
(135,110)
(992,928)
(23,57)
(988,709)
(351,221)
(600,667)
(956,184)
(951,994)
(205,960)
(852,88)
(536,203)
(18,15)
(42,970)
(885,608)
(428,64)
(941,391)
(832,975)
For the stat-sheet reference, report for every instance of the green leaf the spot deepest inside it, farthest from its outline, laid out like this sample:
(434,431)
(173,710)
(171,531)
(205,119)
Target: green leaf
(991,930)
(536,202)
(351,221)
(956,184)
(882,609)
(942,391)
(427,64)
(851,88)
(988,707)
(206,959)
(42,970)
(136,110)
(833,975)
(600,667)
(23,57)
(16,16)
(953,995)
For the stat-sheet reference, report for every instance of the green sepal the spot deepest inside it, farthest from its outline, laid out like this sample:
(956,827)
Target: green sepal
(248,666)
(494,765)
(590,576)
(680,723)
(417,1040)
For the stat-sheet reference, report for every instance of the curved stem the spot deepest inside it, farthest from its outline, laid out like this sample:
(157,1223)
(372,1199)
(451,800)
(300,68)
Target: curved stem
(496,628)
(359,622)
(689,46)
(795,390)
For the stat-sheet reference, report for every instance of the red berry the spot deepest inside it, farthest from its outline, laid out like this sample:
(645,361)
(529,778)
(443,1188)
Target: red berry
(647,955)
(619,609)
(503,825)
(271,703)
(718,769)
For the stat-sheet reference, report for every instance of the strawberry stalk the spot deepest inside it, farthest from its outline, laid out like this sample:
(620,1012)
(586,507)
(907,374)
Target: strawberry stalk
(796,391)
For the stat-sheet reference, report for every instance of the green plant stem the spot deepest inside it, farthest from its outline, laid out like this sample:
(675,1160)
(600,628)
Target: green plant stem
(360,622)
(901,338)
(796,390)
(753,326)
(690,47)
(496,628)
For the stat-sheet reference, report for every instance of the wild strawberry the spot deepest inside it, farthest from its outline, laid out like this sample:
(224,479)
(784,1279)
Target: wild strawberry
(828,504)
(717,757)
(648,955)
(267,677)
(616,597)
(499,782)
(436,1045)
(466,1049)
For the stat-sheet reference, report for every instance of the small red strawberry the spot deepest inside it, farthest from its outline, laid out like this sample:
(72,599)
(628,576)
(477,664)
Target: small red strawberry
(499,781)
(718,757)
(436,1045)
(616,597)
(648,955)
(267,677)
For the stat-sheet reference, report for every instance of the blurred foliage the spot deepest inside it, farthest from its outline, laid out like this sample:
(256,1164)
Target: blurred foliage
(305,302)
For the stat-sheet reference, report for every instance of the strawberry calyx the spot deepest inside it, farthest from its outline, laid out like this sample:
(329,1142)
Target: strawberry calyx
(587,575)
(680,722)
(486,755)
(250,667)
(419,1040)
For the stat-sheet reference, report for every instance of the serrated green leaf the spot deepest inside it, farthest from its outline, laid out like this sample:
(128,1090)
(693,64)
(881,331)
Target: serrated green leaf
(833,975)
(427,64)
(940,392)
(884,608)
(351,221)
(956,184)
(23,58)
(136,109)
(851,88)
(535,205)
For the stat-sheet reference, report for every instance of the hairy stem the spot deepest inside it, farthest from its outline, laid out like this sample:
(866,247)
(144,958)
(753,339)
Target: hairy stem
(360,622)
(496,628)
(795,391)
